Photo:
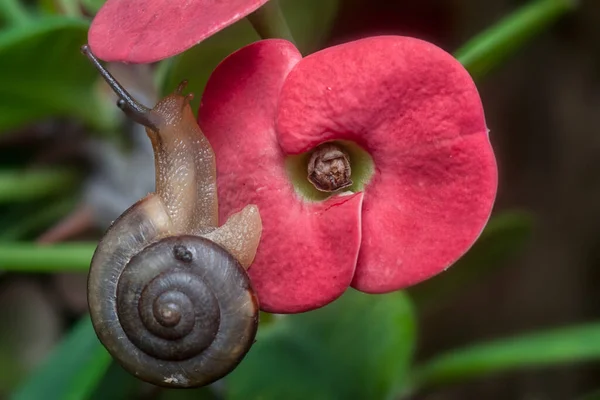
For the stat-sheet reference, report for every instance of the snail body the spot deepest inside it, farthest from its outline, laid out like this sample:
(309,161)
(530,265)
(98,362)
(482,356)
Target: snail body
(168,293)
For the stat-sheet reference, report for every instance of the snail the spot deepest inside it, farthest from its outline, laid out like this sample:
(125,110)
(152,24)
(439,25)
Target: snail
(168,292)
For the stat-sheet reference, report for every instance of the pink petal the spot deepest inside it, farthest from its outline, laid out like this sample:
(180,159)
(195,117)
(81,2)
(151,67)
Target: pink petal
(308,251)
(143,31)
(417,112)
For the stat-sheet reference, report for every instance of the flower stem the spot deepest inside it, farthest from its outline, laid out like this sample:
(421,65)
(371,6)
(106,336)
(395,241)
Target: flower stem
(29,257)
(13,12)
(70,8)
(269,22)
(486,50)
(17,186)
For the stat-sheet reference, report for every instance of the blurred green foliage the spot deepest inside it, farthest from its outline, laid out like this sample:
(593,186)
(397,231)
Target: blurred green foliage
(553,347)
(22,185)
(359,346)
(48,75)
(487,50)
(72,371)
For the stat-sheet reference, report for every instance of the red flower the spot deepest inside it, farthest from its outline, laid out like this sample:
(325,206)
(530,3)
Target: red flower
(143,31)
(410,105)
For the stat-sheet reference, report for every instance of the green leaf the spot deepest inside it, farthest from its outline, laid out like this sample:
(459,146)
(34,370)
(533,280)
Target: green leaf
(556,347)
(72,371)
(204,393)
(48,7)
(92,6)
(35,218)
(11,372)
(19,186)
(46,75)
(494,45)
(29,257)
(309,21)
(359,346)
(13,12)
(504,236)
(595,395)
(117,384)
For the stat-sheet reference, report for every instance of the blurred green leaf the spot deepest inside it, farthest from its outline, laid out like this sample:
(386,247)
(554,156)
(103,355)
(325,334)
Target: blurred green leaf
(12,372)
(197,63)
(49,7)
(503,237)
(35,218)
(70,8)
(20,186)
(358,347)
(29,257)
(117,384)
(72,371)
(204,393)
(92,6)
(14,12)
(595,395)
(495,44)
(559,346)
(44,74)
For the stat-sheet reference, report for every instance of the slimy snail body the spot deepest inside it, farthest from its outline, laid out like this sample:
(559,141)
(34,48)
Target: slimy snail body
(168,292)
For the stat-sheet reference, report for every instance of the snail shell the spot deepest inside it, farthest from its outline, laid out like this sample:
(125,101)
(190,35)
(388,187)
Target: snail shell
(168,293)
(179,310)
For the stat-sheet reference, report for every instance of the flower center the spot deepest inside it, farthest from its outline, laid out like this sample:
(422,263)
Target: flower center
(329,168)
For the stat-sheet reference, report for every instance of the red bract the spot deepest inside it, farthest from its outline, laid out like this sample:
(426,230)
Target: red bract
(410,105)
(142,31)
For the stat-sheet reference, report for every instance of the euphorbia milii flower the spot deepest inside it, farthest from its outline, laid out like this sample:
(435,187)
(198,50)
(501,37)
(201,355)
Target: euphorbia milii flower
(431,176)
(142,31)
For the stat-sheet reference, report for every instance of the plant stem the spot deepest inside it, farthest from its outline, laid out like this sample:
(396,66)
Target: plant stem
(70,8)
(269,22)
(13,12)
(29,257)
(34,184)
(486,50)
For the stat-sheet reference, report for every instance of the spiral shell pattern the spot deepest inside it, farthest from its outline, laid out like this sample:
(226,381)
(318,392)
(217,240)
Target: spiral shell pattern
(179,311)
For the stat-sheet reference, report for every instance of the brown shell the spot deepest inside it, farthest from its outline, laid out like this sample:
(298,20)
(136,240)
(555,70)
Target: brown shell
(127,261)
